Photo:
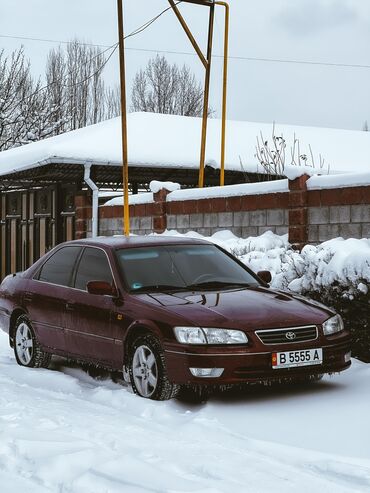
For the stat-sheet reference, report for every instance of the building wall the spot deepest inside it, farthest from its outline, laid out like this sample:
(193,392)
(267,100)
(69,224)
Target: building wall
(343,211)
(348,221)
(241,223)
(310,211)
(244,216)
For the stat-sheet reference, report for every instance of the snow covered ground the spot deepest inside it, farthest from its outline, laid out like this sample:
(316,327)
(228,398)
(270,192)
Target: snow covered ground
(64,431)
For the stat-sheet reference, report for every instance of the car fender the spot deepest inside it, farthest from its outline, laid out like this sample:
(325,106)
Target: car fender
(140,326)
(16,312)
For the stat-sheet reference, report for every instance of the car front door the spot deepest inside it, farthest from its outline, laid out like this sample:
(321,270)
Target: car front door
(46,294)
(91,333)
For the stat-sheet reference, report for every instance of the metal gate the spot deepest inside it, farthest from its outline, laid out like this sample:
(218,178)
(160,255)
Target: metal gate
(32,222)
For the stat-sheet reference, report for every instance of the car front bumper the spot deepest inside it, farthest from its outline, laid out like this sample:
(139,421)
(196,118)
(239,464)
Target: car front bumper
(245,365)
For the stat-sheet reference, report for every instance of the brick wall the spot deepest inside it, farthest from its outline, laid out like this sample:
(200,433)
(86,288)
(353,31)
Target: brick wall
(83,207)
(244,216)
(141,219)
(338,212)
(248,215)
(311,210)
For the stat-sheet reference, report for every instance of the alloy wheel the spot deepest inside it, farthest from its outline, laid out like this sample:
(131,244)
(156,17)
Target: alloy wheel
(145,371)
(24,343)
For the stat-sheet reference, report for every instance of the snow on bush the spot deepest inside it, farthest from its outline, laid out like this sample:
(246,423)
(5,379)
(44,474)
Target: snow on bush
(338,262)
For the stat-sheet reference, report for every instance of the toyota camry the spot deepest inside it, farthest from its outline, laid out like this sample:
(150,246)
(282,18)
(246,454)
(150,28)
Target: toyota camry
(170,313)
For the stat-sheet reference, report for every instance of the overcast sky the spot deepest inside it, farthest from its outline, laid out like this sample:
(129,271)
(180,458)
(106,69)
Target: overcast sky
(333,31)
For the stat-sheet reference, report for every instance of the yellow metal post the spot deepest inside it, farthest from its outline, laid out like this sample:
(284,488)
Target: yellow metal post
(206,96)
(224,90)
(188,33)
(126,207)
(207,62)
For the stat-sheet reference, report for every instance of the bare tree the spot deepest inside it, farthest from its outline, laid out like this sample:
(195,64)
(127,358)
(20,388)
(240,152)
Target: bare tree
(26,114)
(73,95)
(112,102)
(76,85)
(165,88)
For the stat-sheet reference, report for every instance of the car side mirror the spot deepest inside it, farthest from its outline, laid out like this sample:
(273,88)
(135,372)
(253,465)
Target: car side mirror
(102,288)
(265,275)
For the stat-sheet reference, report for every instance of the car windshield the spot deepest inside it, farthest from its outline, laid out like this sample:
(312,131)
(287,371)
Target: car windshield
(181,267)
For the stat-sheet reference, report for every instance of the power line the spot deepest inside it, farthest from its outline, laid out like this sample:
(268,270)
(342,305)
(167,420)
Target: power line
(256,59)
(90,76)
(188,53)
(100,69)
(43,88)
(302,62)
(45,40)
(151,21)
(137,31)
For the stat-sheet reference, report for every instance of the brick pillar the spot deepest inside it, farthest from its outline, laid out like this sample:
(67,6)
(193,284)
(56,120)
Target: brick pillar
(83,206)
(298,212)
(160,211)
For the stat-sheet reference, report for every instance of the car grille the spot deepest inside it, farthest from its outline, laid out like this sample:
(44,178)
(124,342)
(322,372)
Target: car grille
(288,335)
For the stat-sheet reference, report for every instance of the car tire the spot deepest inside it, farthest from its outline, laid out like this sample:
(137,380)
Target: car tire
(27,349)
(147,370)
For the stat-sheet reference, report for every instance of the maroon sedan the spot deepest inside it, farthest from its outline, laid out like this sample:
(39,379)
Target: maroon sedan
(171,313)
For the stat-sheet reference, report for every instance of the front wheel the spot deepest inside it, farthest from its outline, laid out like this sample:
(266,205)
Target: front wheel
(27,349)
(147,370)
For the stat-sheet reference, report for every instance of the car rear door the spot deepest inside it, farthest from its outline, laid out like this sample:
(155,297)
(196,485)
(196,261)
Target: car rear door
(90,331)
(46,294)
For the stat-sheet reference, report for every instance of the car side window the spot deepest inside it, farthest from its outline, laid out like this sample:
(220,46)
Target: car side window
(58,269)
(93,266)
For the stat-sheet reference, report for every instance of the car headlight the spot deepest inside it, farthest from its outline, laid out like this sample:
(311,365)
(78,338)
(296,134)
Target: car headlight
(333,325)
(190,335)
(198,335)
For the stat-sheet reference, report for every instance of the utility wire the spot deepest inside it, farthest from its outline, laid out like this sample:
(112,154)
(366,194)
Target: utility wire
(100,69)
(90,76)
(150,22)
(43,88)
(44,40)
(188,53)
(256,59)
(137,31)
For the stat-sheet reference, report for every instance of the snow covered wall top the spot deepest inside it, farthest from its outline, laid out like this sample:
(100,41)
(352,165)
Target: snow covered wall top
(174,141)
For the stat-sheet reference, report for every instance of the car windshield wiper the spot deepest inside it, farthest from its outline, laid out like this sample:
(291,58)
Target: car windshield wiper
(220,284)
(158,287)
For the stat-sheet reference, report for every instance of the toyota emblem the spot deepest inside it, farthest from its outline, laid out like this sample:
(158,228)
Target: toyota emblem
(290,335)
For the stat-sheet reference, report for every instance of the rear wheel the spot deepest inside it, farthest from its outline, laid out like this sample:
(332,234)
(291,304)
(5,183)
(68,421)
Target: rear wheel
(27,349)
(147,370)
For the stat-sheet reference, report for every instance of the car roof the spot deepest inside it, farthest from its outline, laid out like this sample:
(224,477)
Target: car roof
(117,241)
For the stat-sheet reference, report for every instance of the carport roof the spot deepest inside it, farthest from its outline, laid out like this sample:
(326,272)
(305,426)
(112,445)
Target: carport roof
(166,147)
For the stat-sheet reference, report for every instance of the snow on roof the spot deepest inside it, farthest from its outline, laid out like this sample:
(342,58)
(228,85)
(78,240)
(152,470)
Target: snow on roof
(157,140)
(343,181)
(274,186)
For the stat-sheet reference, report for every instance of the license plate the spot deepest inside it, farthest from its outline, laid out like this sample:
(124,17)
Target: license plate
(304,357)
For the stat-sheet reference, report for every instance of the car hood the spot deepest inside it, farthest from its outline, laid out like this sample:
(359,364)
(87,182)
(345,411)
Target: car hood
(249,308)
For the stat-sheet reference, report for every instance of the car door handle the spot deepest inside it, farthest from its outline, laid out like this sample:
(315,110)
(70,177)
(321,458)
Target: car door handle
(70,307)
(27,297)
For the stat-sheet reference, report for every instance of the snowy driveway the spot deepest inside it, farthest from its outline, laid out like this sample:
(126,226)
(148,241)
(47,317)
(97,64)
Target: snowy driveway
(63,431)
